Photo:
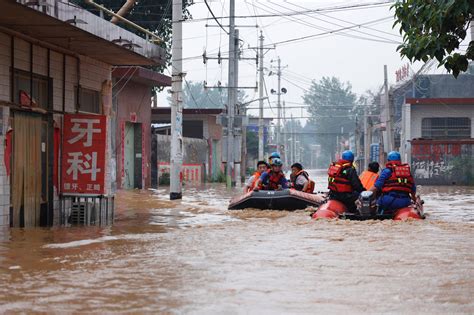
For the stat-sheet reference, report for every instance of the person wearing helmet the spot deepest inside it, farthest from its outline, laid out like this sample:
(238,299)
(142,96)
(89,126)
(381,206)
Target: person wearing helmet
(262,167)
(396,185)
(274,155)
(274,179)
(343,183)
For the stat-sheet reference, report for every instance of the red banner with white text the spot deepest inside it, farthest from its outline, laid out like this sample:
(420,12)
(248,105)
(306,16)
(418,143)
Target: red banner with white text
(83,154)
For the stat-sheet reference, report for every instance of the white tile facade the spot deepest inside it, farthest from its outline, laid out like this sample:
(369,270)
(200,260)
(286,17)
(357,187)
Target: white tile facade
(93,73)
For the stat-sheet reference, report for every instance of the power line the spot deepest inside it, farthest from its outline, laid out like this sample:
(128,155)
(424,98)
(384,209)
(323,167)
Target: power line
(212,13)
(345,21)
(328,9)
(308,24)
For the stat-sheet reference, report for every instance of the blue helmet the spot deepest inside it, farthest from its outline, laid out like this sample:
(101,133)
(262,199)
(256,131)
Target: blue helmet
(277,162)
(394,156)
(275,155)
(348,155)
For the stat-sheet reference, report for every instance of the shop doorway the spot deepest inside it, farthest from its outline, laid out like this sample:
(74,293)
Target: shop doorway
(30,175)
(133,156)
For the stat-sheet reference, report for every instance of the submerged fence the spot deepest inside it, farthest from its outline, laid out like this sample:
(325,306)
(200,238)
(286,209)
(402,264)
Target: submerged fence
(86,210)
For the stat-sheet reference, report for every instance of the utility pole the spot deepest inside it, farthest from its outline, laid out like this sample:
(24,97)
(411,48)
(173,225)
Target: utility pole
(278,136)
(285,135)
(260,95)
(231,98)
(238,138)
(366,139)
(293,140)
(388,113)
(176,158)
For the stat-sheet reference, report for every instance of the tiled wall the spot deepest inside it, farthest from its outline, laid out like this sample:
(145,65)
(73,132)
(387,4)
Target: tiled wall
(93,73)
(4,180)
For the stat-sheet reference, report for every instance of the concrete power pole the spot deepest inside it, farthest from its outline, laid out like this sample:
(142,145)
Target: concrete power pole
(278,135)
(285,136)
(366,139)
(388,113)
(238,137)
(176,158)
(231,98)
(293,140)
(260,95)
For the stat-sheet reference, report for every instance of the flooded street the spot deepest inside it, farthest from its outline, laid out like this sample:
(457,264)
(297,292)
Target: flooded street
(194,256)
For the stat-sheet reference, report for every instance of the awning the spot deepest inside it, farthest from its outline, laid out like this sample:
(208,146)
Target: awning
(93,38)
(142,75)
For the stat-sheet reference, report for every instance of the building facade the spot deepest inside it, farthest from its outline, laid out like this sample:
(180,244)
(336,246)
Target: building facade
(56,89)
(203,144)
(437,139)
(132,103)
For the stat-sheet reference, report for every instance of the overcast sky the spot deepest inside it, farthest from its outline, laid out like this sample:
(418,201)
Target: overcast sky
(356,55)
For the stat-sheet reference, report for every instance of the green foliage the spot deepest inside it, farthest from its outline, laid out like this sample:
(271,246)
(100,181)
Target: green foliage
(435,29)
(219,178)
(252,144)
(463,169)
(164,179)
(153,15)
(196,96)
(333,113)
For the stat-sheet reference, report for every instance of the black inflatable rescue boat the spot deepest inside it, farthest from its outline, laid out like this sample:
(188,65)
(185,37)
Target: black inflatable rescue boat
(287,199)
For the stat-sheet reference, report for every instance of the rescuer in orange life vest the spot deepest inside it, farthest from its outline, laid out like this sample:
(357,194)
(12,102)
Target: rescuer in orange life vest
(396,184)
(262,167)
(343,183)
(274,179)
(299,179)
(369,176)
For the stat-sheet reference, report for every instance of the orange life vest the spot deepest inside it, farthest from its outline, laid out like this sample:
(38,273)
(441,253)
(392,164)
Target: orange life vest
(368,179)
(337,178)
(311,184)
(256,176)
(400,180)
(273,180)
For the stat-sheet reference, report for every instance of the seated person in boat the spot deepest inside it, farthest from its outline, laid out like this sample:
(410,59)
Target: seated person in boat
(274,155)
(396,184)
(262,167)
(343,183)
(299,179)
(368,177)
(274,179)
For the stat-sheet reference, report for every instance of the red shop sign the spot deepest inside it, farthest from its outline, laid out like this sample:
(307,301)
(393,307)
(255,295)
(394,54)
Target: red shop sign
(83,157)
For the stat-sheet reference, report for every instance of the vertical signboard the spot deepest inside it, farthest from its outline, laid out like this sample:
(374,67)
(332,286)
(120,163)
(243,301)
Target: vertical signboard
(83,154)
(374,152)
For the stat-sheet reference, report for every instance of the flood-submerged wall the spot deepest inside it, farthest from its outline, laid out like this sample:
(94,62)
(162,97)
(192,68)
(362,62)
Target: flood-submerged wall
(195,158)
(443,162)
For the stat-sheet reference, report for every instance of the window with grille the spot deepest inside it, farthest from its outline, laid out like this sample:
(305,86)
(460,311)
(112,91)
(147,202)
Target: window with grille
(446,128)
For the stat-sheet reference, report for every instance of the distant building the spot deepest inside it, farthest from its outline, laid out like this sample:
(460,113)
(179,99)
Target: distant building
(202,143)
(438,139)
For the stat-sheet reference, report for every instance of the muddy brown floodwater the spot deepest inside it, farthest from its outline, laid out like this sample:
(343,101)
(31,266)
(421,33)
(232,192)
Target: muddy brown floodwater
(194,256)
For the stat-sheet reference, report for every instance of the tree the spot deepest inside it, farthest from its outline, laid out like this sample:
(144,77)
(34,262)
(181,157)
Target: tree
(435,29)
(196,96)
(332,109)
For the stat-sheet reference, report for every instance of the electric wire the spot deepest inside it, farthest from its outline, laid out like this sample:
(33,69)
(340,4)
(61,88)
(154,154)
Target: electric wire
(217,21)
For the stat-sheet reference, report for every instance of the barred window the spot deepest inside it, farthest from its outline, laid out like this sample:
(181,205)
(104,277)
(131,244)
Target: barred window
(446,128)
